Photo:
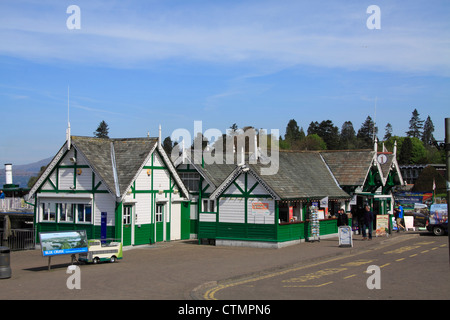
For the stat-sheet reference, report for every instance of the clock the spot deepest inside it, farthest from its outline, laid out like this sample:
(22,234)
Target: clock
(382,159)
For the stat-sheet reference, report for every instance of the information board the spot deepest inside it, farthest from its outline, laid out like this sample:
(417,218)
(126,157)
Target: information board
(63,242)
(382,225)
(345,236)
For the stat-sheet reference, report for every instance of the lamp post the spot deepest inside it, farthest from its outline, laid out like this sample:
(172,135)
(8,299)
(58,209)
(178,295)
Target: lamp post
(447,153)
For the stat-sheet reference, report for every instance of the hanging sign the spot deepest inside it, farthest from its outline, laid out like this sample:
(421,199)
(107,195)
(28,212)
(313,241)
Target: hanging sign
(324,202)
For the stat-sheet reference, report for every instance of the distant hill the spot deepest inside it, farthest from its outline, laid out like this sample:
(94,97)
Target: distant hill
(23,172)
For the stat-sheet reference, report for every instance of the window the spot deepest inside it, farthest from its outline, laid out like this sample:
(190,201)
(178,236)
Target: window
(84,212)
(66,212)
(126,215)
(48,211)
(191,180)
(208,205)
(159,212)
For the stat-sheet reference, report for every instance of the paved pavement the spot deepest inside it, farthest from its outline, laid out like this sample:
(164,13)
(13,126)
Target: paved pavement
(166,271)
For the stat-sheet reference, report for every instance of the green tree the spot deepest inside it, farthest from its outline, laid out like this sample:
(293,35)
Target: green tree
(347,139)
(428,130)
(313,142)
(292,131)
(313,128)
(388,132)
(102,130)
(405,151)
(366,133)
(327,131)
(330,134)
(415,125)
(293,135)
(168,145)
(414,154)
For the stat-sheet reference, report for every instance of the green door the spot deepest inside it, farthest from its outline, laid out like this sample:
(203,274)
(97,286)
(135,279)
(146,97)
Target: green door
(185,220)
(159,222)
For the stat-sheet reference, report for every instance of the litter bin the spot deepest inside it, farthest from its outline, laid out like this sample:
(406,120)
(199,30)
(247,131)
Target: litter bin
(5,269)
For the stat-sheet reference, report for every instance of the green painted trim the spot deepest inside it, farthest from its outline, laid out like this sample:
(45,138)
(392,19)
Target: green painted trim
(253,188)
(239,188)
(152,167)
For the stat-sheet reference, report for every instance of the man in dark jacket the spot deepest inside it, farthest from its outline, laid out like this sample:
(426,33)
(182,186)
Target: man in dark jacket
(368,222)
(342,219)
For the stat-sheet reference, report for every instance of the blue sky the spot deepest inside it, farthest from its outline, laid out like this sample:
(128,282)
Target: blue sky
(138,64)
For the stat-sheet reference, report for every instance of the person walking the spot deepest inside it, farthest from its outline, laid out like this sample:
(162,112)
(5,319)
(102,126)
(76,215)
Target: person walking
(399,217)
(368,222)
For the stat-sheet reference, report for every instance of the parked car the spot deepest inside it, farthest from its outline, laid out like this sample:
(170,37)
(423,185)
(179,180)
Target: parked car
(438,219)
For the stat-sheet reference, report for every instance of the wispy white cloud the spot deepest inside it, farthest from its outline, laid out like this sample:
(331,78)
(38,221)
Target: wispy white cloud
(329,35)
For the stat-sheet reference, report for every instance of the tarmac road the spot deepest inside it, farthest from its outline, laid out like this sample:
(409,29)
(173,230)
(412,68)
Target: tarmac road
(182,270)
(416,268)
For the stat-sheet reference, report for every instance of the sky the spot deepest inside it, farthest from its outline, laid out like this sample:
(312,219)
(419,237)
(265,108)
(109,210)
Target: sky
(140,64)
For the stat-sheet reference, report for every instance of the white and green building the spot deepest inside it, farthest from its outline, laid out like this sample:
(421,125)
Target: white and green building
(236,205)
(128,187)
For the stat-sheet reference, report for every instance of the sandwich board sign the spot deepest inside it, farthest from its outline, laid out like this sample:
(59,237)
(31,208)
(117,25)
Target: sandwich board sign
(345,236)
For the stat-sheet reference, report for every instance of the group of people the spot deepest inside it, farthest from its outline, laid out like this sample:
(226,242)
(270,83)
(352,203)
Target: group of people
(365,221)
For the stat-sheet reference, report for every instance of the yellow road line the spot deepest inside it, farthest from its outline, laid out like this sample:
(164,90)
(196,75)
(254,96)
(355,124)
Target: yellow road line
(351,276)
(210,294)
(308,286)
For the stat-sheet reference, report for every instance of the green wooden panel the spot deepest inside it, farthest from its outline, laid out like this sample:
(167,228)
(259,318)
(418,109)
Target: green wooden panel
(143,234)
(185,221)
(127,235)
(293,231)
(207,230)
(159,231)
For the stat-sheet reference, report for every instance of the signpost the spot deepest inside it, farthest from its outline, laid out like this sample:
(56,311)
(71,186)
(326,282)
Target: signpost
(63,242)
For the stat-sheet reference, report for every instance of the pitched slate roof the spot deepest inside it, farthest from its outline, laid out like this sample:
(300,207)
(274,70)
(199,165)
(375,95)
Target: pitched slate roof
(350,167)
(116,161)
(128,155)
(301,175)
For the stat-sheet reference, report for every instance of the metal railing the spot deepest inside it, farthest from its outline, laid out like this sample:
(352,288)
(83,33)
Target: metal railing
(18,239)
(8,204)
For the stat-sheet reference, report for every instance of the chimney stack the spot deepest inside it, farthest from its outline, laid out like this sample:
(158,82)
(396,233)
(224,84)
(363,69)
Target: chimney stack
(8,172)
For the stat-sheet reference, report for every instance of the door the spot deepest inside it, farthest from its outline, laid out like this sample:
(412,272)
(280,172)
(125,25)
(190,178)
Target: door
(175,221)
(159,222)
(185,220)
(127,223)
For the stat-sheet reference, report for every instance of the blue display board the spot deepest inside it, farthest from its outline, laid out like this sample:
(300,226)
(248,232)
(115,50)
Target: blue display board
(63,242)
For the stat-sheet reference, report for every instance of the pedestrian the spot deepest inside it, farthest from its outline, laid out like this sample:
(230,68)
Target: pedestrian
(2,195)
(368,222)
(360,219)
(342,219)
(399,217)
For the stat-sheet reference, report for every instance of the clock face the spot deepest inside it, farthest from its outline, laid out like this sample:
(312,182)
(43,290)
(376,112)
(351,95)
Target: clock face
(382,158)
